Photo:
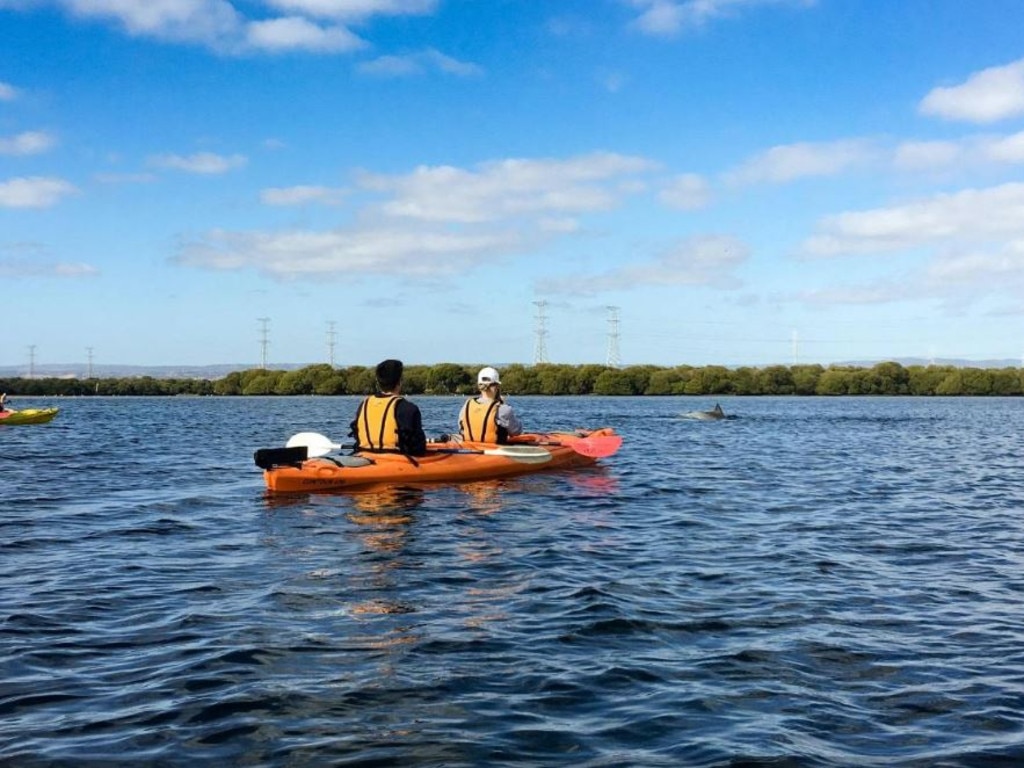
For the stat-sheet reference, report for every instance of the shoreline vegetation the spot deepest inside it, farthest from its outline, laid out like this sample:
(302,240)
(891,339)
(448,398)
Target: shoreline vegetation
(553,379)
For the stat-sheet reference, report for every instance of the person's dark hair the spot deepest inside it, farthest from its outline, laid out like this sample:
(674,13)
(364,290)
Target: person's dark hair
(389,374)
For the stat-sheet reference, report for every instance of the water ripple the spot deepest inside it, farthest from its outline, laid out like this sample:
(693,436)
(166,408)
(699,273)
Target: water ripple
(818,582)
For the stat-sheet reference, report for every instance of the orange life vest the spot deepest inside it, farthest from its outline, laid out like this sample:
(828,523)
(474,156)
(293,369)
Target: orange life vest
(376,428)
(479,421)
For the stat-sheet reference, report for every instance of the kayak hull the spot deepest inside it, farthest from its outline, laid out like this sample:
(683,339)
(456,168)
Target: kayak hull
(444,463)
(27,416)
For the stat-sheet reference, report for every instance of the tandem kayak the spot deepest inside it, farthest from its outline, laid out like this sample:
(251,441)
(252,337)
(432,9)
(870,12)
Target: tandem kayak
(293,470)
(27,416)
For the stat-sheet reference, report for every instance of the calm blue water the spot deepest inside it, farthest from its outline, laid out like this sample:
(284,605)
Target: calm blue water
(817,582)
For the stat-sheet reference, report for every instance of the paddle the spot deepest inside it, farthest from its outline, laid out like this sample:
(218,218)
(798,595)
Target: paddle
(315,443)
(320,445)
(525,454)
(269,458)
(596,447)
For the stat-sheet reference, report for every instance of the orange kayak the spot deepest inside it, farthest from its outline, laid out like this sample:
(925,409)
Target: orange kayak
(285,470)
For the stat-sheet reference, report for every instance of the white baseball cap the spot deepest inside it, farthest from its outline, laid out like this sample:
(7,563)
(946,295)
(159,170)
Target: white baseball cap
(488,376)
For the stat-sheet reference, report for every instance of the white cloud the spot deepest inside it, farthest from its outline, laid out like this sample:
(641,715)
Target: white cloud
(985,97)
(957,267)
(926,155)
(392,66)
(687,192)
(218,25)
(21,268)
(451,65)
(358,252)
(34,192)
(197,21)
(966,217)
(298,34)
(1008,149)
(508,188)
(564,225)
(355,9)
(668,17)
(432,221)
(709,260)
(418,64)
(78,269)
(660,17)
(302,195)
(570,25)
(966,154)
(27,143)
(206,163)
(957,276)
(877,292)
(962,276)
(966,247)
(789,162)
(7,92)
(125,178)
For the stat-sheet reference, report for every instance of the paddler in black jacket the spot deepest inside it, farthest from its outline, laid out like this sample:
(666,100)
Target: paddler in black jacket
(386,421)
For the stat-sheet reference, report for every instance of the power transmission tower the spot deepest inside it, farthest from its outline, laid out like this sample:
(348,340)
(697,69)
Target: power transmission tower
(796,346)
(613,337)
(88,367)
(31,361)
(264,340)
(330,342)
(540,352)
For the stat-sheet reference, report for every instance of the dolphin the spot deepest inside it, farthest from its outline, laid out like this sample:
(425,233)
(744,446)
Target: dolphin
(714,414)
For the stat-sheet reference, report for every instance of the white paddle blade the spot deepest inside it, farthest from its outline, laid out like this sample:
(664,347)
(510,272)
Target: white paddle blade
(316,444)
(527,454)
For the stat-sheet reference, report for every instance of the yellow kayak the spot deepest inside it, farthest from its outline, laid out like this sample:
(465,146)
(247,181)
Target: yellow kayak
(27,416)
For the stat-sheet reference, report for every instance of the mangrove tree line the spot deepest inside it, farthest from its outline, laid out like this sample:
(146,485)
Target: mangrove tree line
(888,378)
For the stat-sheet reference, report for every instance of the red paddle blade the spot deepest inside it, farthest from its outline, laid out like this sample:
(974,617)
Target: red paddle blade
(596,447)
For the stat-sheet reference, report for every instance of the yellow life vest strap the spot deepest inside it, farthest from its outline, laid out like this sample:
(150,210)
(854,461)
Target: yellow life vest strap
(479,422)
(378,416)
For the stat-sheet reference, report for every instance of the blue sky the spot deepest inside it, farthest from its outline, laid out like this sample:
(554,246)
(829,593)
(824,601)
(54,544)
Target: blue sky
(746,182)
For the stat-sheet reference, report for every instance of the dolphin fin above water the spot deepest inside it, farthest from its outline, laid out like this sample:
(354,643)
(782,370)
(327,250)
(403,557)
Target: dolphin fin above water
(714,414)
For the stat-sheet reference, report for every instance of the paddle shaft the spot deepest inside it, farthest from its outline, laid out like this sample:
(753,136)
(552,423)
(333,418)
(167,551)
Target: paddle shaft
(320,445)
(538,456)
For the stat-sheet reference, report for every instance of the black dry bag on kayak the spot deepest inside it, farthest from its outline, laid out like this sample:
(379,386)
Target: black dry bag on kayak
(268,458)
